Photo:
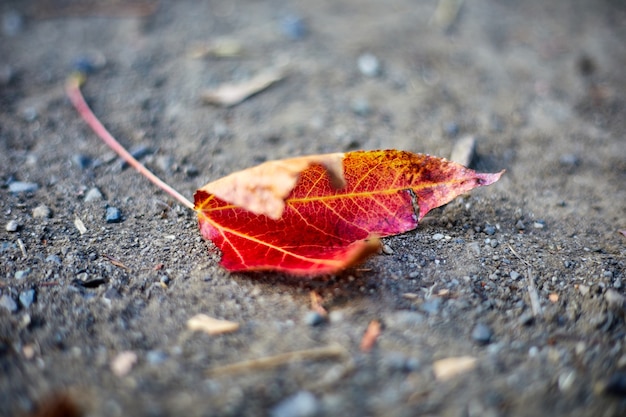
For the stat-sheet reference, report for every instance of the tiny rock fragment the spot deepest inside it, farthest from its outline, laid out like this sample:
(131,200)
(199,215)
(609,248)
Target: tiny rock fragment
(113,215)
(7,302)
(482,334)
(615,299)
(23,187)
(445,369)
(123,363)
(369,65)
(623,232)
(12,226)
(370,336)
(80,226)
(229,95)
(553,297)
(464,150)
(387,250)
(211,326)
(41,212)
(93,195)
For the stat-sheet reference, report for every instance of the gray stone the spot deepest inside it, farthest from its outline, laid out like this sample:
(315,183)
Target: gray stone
(369,65)
(438,236)
(301,404)
(23,187)
(6,301)
(313,318)
(27,297)
(12,226)
(113,215)
(514,275)
(482,334)
(156,357)
(21,274)
(489,230)
(93,195)
(42,212)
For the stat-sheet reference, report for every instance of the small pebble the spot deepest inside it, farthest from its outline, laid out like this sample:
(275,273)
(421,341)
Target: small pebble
(23,187)
(569,159)
(12,226)
(301,404)
(156,357)
(584,289)
(6,301)
(438,236)
(494,243)
(113,215)
(30,114)
(27,297)
(293,27)
(22,273)
(313,318)
(81,161)
(369,65)
(540,224)
(615,299)
(482,334)
(489,230)
(41,212)
(93,195)
(514,275)
(566,380)
(387,250)
(520,225)
(464,150)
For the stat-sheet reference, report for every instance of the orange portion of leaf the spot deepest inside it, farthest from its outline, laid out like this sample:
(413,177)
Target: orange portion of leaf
(314,227)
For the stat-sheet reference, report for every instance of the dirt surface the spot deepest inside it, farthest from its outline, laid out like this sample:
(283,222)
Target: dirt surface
(541,86)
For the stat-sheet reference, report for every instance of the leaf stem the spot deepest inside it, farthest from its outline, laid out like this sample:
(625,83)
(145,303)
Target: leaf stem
(72,88)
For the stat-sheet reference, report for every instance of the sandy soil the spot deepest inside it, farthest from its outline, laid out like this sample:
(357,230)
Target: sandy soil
(541,86)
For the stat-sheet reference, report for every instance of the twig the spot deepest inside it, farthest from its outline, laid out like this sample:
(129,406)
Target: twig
(269,362)
(22,247)
(535,305)
(532,293)
(116,262)
(72,88)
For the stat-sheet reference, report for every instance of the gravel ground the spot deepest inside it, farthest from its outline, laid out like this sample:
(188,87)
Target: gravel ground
(522,282)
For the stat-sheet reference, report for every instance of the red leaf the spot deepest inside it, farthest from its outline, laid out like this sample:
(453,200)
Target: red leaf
(322,229)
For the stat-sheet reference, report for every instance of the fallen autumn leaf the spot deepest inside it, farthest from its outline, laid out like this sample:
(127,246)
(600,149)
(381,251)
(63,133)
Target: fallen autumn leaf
(289,215)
